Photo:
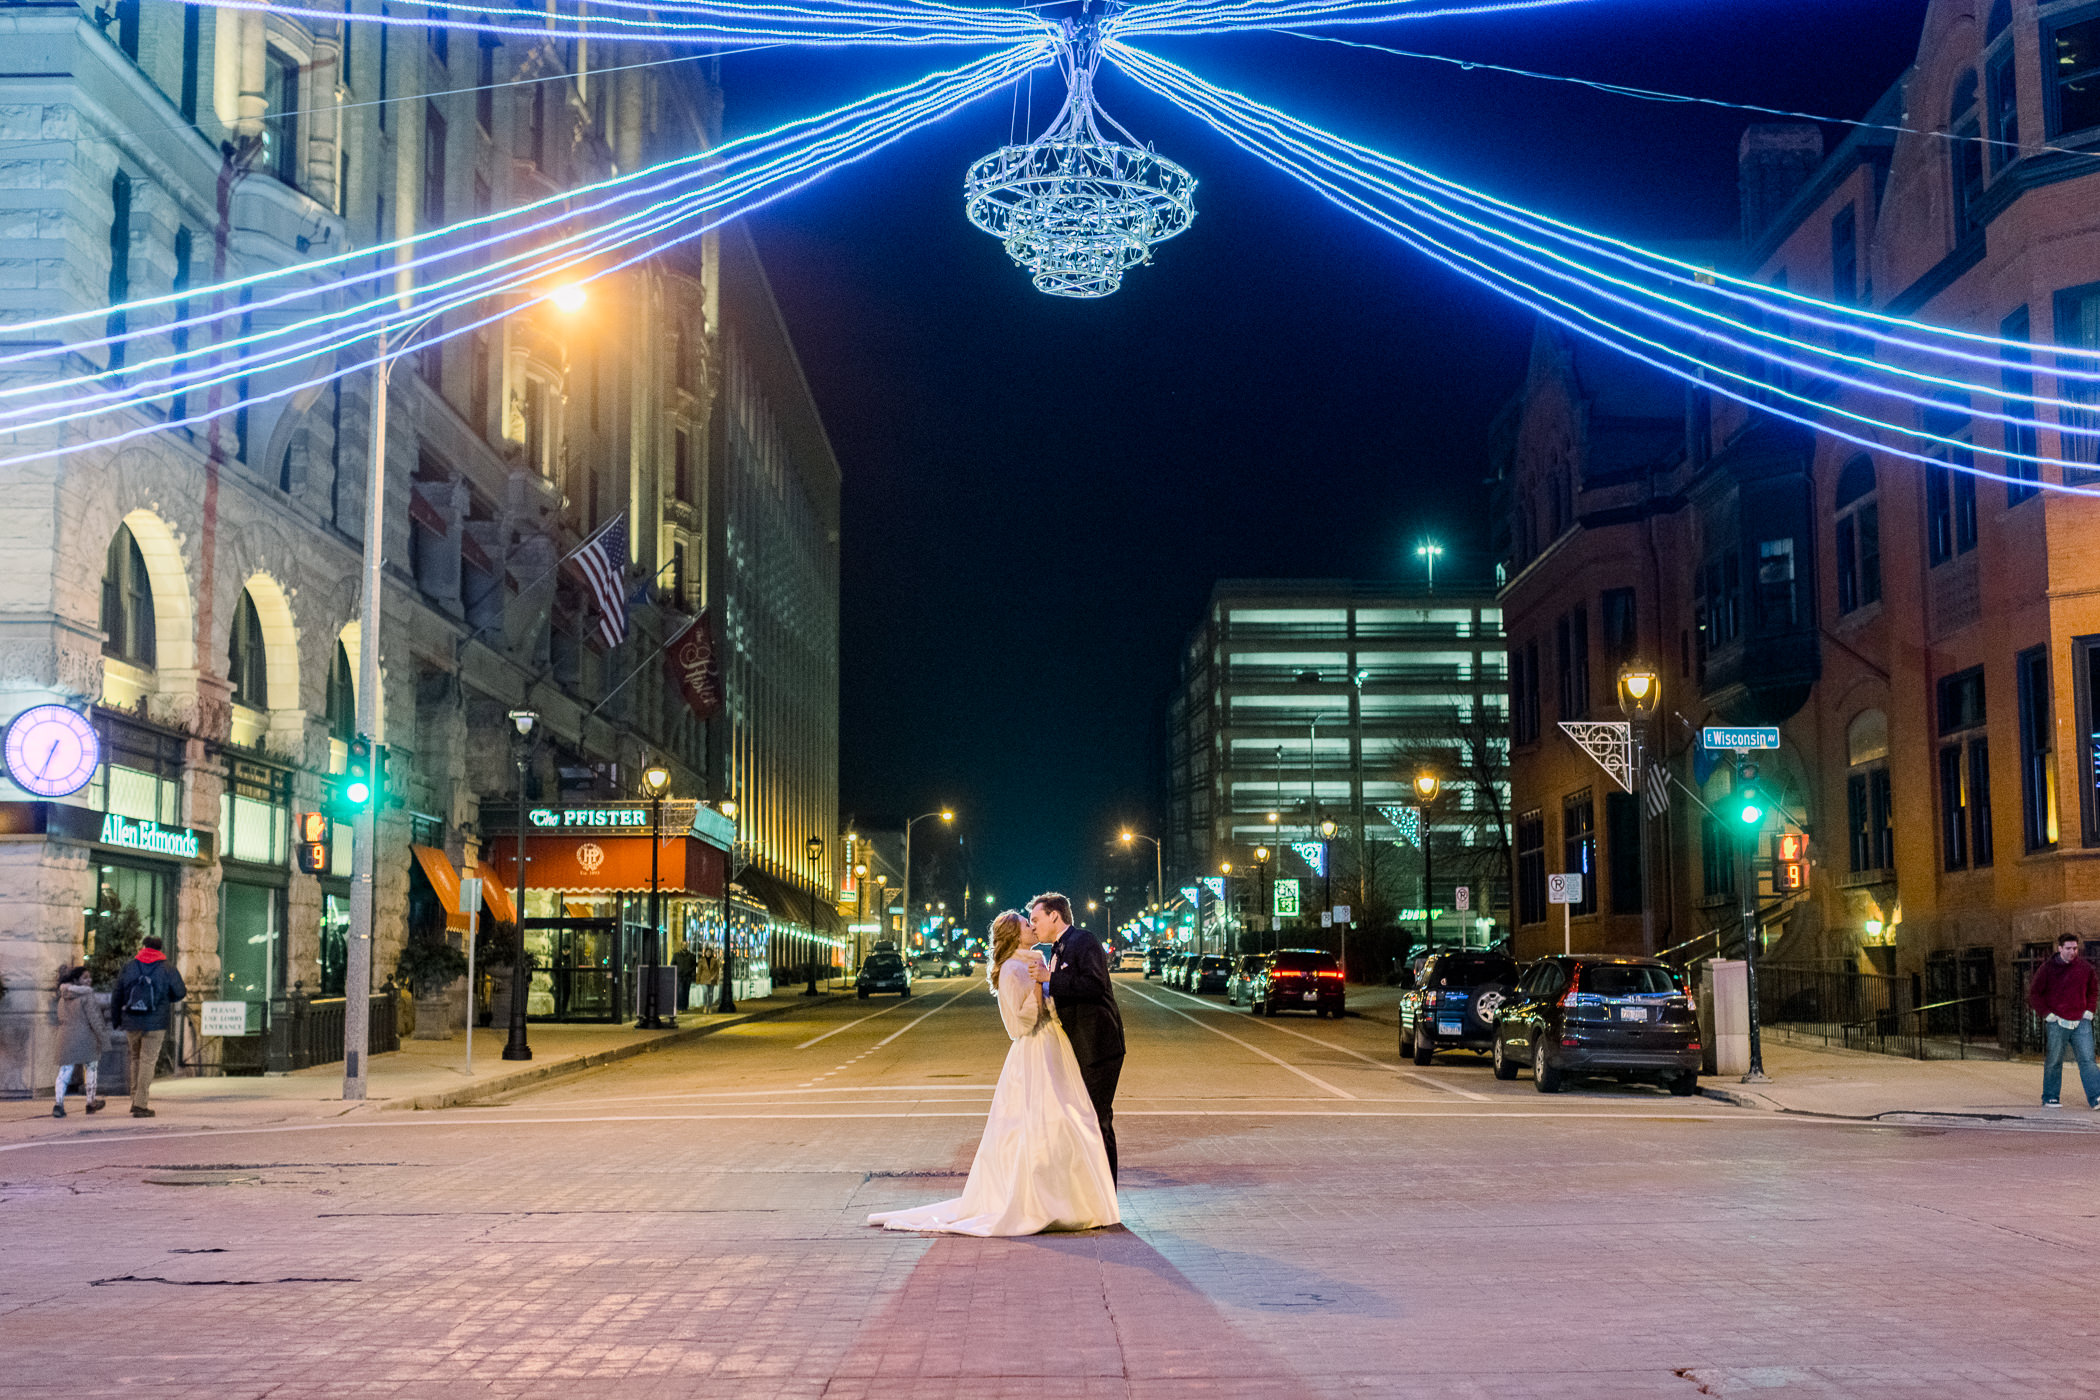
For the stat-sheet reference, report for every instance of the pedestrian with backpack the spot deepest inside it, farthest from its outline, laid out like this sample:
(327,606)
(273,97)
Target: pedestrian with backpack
(82,1037)
(147,990)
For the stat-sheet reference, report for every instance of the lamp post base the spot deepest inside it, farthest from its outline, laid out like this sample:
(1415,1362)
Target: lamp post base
(517,1052)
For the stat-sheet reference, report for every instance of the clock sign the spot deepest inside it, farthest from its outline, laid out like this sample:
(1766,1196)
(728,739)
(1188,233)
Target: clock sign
(51,751)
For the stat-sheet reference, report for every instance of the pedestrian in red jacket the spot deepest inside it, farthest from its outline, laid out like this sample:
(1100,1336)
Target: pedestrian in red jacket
(2065,991)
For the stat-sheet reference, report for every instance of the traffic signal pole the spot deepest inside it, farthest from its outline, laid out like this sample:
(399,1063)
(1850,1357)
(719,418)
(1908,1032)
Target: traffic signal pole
(357,973)
(1746,838)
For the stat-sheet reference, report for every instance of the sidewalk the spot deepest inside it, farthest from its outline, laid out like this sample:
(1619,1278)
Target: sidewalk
(1858,1084)
(422,1074)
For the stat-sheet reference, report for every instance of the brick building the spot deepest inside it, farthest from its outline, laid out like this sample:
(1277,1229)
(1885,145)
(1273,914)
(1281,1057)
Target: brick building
(1925,639)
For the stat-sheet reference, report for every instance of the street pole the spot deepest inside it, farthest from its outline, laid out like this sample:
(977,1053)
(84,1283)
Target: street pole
(1746,885)
(1428,886)
(1640,795)
(651,1018)
(726,1002)
(516,1048)
(816,853)
(1363,873)
(357,970)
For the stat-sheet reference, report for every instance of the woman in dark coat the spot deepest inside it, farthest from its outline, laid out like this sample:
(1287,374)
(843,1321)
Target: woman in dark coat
(82,1036)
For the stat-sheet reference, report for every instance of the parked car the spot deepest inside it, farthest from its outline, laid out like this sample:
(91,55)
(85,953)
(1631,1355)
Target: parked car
(1155,962)
(1591,1014)
(1300,979)
(1452,1001)
(1241,984)
(1210,974)
(957,964)
(883,972)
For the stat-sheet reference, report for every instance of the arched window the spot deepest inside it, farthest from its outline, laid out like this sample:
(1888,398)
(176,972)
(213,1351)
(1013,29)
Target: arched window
(247,665)
(342,697)
(127,602)
(1965,153)
(1858,536)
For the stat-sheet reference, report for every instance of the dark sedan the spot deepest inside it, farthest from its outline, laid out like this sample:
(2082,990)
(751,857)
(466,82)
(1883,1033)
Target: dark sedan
(1452,1002)
(883,972)
(1210,974)
(1300,979)
(1620,1016)
(1241,986)
(1155,961)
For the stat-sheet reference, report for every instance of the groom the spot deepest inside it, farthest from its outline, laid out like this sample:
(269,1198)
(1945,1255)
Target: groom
(1077,980)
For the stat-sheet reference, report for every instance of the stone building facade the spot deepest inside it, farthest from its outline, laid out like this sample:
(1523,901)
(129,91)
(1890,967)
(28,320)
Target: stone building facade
(1924,639)
(193,590)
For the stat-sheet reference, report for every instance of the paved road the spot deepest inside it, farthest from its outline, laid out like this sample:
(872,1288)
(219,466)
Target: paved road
(1304,1217)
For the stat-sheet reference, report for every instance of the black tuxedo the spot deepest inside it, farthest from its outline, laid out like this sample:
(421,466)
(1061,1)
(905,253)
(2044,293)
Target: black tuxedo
(1086,1008)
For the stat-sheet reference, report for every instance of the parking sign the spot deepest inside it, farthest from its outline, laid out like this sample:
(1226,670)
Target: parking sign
(1462,897)
(1564,889)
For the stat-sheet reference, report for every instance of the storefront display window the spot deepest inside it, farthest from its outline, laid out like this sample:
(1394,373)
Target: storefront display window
(131,901)
(335,944)
(251,941)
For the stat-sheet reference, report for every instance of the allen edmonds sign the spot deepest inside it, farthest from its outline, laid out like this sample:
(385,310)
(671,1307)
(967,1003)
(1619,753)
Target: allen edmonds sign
(151,837)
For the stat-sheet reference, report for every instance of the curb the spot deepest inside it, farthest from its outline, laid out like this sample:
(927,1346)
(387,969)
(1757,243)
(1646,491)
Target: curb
(577,1064)
(1742,1098)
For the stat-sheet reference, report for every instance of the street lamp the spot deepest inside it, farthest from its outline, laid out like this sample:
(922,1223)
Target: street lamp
(1640,692)
(945,815)
(1261,889)
(1327,830)
(526,723)
(1428,551)
(1427,787)
(815,848)
(1159,882)
(655,780)
(726,1002)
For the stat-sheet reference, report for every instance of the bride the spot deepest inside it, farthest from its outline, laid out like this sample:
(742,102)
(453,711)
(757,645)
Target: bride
(1040,1164)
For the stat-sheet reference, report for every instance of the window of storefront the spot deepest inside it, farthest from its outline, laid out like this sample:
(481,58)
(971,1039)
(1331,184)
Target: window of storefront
(335,944)
(251,941)
(131,901)
(253,825)
(141,776)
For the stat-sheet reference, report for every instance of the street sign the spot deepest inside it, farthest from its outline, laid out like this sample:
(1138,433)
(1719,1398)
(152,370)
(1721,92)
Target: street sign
(1763,736)
(224,1018)
(1462,898)
(1287,897)
(1564,889)
(1341,913)
(1326,918)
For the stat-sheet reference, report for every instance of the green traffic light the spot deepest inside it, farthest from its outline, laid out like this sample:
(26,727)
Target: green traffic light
(357,793)
(1751,814)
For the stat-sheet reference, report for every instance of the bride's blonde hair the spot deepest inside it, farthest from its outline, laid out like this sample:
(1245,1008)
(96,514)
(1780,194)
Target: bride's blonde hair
(1006,937)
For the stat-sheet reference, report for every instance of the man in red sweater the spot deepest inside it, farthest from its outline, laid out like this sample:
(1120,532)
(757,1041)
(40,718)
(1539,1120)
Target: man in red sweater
(2065,991)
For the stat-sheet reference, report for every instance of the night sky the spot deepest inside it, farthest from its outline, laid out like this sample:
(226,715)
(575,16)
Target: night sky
(1040,492)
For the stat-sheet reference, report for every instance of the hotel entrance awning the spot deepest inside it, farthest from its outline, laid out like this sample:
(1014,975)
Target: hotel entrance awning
(608,864)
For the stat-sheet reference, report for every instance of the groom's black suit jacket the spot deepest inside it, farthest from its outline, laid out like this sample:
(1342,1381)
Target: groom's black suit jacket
(1085,999)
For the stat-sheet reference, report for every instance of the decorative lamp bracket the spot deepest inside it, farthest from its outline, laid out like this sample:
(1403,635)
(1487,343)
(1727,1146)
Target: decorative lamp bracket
(1609,743)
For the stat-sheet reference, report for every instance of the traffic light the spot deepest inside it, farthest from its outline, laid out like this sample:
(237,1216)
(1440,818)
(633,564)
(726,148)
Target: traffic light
(1746,803)
(314,832)
(391,776)
(1789,863)
(354,793)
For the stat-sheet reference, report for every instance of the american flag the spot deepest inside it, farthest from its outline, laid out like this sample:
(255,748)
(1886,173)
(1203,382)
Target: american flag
(603,560)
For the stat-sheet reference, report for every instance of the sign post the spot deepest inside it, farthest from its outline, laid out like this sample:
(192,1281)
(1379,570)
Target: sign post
(470,900)
(1566,891)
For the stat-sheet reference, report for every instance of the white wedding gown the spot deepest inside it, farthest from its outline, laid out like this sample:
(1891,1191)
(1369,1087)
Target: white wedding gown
(1040,1164)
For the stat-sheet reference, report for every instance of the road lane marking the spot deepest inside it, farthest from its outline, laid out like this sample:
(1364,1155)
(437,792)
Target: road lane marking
(1254,1049)
(942,1007)
(1330,1045)
(851,1024)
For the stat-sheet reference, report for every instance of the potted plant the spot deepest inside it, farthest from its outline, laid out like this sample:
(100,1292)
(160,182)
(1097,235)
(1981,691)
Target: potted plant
(429,964)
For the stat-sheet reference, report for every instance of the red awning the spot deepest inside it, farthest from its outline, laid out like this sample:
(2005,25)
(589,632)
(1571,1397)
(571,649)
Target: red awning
(610,864)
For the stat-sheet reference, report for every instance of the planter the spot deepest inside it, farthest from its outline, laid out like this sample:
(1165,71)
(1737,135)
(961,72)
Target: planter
(433,1018)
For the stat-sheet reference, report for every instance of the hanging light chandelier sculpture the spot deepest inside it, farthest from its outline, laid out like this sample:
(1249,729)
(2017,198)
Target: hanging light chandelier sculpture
(1073,207)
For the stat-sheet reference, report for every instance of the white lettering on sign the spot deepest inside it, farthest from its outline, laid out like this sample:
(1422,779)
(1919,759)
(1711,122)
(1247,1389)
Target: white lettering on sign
(588,817)
(1564,889)
(150,836)
(1763,736)
(1462,898)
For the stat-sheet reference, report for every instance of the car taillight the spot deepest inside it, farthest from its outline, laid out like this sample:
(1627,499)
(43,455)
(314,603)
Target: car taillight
(1429,1000)
(1330,972)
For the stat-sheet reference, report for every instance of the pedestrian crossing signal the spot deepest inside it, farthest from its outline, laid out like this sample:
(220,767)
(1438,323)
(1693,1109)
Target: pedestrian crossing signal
(1789,863)
(315,833)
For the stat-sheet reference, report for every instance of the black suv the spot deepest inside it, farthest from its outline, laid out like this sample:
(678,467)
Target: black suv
(1620,1016)
(883,972)
(1451,1003)
(1155,960)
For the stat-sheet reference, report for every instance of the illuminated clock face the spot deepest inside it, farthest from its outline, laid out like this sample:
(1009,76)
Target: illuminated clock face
(51,751)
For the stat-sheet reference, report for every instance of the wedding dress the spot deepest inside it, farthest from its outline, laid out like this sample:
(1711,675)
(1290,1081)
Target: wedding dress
(1040,1164)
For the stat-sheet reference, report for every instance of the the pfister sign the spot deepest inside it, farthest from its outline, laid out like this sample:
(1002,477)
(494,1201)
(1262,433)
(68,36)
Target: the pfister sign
(150,837)
(588,818)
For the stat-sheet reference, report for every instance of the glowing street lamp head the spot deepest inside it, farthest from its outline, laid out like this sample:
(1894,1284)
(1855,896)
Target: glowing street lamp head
(1640,689)
(1261,854)
(568,298)
(1328,828)
(1428,785)
(947,816)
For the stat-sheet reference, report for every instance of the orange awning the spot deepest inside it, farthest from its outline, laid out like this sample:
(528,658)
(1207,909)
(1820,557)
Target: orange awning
(495,893)
(606,864)
(437,868)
